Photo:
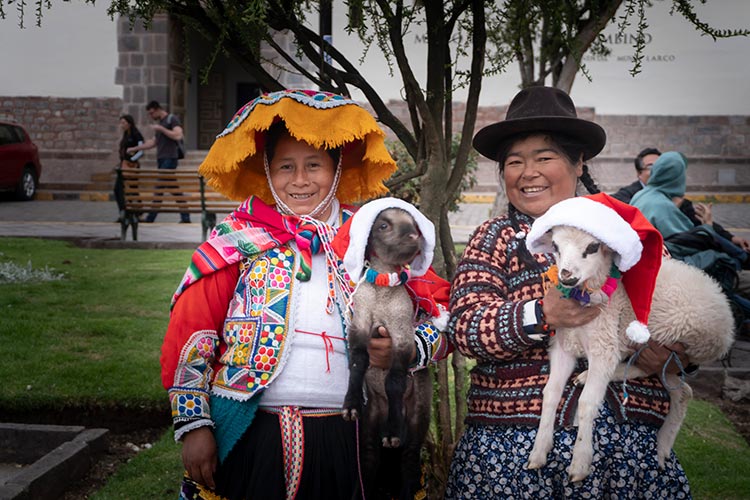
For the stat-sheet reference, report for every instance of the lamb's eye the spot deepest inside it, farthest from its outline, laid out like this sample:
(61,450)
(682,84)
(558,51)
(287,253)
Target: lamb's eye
(383,226)
(591,249)
(554,247)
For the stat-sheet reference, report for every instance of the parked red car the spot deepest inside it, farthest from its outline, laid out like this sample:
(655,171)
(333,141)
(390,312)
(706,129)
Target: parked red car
(20,168)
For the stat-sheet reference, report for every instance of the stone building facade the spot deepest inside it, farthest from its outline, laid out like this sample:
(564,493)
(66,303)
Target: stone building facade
(164,64)
(78,137)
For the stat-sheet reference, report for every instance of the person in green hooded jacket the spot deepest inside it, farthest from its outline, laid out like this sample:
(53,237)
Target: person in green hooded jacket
(699,245)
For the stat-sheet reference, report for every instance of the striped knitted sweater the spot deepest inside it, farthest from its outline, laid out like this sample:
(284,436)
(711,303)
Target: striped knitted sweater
(489,291)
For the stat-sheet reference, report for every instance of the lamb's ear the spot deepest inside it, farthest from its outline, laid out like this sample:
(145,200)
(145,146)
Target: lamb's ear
(540,244)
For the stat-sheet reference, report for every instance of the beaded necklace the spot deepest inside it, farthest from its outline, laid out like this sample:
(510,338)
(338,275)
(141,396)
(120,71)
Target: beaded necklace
(550,278)
(387,279)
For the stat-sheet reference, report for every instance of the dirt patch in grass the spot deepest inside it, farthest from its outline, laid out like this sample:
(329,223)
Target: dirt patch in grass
(737,412)
(122,447)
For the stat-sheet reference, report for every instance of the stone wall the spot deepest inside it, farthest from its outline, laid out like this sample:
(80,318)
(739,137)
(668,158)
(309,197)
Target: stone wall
(76,136)
(143,65)
(716,146)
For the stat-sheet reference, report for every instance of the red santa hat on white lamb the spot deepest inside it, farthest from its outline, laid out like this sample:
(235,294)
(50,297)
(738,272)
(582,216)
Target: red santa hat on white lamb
(624,229)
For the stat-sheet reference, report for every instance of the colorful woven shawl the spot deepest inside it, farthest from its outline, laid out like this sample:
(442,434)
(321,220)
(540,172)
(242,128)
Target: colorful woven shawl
(252,228)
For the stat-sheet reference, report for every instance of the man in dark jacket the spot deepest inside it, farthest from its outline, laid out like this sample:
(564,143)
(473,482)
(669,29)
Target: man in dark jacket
(643,163)
(167,136)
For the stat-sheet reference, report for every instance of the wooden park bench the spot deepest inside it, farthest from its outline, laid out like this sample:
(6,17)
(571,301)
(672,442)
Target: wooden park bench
(169,191)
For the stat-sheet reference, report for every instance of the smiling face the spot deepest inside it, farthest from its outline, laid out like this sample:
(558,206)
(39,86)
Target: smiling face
(537,174)
(301,175)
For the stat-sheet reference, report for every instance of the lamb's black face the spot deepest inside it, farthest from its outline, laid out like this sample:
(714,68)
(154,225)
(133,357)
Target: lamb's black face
(394,237)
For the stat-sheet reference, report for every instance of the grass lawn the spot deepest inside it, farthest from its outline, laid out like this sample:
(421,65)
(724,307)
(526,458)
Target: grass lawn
(92,338)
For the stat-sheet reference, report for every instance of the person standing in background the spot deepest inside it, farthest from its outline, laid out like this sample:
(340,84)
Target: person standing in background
(167,136)
(131,137)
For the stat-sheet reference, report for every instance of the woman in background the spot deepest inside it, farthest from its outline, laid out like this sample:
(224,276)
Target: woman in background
(131,137)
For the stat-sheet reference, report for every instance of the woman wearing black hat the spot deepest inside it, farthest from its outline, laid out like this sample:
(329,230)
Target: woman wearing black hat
(501,317)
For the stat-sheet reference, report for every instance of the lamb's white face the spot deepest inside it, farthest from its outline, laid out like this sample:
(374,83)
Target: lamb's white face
(579,256)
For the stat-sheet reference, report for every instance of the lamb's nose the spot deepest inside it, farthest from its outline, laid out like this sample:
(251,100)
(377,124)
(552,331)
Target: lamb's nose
(567,278)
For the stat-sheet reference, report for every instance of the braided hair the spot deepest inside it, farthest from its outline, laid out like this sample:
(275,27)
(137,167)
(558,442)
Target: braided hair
(571,149)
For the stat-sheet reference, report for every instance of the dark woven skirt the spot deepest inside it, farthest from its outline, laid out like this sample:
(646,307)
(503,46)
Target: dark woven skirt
(254,469)
(490,462)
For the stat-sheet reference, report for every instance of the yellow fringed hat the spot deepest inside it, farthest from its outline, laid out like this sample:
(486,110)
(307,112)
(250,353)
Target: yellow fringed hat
(234,164)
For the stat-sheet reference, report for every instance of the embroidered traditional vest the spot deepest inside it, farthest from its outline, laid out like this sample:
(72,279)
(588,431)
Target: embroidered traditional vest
(255,330)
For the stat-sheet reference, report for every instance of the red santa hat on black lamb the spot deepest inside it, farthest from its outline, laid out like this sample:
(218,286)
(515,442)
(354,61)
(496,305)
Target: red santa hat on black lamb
(423,286)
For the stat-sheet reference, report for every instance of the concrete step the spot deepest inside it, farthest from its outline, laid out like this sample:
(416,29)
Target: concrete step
(63,186)
(487,194)
(103,176)
(82,195)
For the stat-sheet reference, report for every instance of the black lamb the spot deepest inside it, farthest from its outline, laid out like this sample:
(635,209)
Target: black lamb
(396,411)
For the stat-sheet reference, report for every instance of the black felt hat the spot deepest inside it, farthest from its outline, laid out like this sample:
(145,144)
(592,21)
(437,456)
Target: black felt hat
(542,109)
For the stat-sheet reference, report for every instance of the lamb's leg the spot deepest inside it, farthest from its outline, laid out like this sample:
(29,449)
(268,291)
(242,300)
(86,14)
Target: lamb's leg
(600,370)
(561,365)
(369,444)
(359,361)
(680,395)
(395,386)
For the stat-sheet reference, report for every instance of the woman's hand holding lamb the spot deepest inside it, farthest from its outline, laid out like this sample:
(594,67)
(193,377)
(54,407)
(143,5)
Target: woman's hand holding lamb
(566,313)
(653,357)
(380,349)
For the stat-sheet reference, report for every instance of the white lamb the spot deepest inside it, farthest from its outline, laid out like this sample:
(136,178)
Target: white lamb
(687,306)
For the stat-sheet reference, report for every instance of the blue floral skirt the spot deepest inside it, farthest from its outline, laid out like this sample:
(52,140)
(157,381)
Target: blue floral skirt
(490,462)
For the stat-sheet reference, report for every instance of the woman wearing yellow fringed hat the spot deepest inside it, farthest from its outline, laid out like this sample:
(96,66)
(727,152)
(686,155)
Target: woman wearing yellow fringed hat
(255,356)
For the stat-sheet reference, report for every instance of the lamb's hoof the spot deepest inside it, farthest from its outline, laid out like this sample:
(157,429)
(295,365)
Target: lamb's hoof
(350,414)
(581,378)
(578,472)
(391,442)
(537,460)
(535,465)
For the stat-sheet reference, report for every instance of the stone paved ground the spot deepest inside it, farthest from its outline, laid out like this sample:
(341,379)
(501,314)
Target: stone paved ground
(95,219)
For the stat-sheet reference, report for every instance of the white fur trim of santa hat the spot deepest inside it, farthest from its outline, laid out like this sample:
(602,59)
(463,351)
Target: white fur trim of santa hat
(593,217)
(359,232)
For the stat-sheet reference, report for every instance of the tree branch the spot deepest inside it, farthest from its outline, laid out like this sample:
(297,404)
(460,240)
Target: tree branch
(583,40)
